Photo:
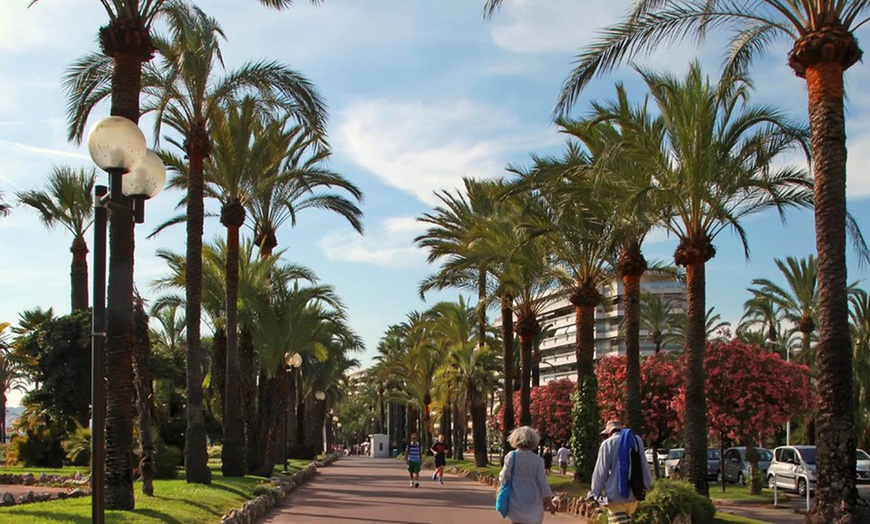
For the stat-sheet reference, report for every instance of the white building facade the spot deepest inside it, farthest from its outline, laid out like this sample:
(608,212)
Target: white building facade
(558,357)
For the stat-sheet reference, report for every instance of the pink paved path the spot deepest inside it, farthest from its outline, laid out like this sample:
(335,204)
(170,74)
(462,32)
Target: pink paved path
(358,489)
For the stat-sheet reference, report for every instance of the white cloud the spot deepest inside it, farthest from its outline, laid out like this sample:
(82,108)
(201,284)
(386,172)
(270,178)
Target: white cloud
(533,26)
(390,244)
(49,24)
(420,147)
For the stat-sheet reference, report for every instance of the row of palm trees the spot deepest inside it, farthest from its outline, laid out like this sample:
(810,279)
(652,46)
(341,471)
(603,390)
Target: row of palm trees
(690,158)
(824,46)
(185,91)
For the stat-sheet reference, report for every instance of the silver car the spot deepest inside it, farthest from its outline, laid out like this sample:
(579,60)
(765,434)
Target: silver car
(793,468)
(672,462)
(862,467)
(735,465)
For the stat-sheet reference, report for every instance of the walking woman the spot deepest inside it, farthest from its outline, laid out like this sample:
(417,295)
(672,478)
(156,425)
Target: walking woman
(530,493)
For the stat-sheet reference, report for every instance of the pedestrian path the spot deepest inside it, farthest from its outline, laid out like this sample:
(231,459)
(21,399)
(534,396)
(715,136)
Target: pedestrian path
(362,489)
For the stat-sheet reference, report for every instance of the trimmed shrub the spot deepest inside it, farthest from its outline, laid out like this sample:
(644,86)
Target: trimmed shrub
(167,459)
(670,499)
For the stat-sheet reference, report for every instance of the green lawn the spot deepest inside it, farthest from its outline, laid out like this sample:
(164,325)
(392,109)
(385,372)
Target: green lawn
(737,492)
(175,501)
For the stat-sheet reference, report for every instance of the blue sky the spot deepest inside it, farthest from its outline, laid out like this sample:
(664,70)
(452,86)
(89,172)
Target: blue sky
(421,93)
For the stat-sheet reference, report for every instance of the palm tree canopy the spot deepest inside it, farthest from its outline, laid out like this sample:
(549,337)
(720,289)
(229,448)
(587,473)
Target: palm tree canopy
(754,25)
(66,200)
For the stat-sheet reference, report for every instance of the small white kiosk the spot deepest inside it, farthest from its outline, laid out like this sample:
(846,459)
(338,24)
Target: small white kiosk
(380,445)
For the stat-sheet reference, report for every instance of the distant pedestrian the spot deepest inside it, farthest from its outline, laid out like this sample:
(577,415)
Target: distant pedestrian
(530,493)
(548,459)
(562,457)
(439,449)
(414,457)
(613,469)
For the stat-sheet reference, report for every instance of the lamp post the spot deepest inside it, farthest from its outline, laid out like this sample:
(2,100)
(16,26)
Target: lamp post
(117,146)
(295,362)
(787,349)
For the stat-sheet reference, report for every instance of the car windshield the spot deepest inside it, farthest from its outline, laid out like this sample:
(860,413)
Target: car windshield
(862,455)
(664,451)
(712,454)
(764,455)
(808,455)
(675,454)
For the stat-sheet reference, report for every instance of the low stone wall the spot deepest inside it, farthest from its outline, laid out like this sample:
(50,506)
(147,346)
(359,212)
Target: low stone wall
(274,491)
(572,505)
(77,484)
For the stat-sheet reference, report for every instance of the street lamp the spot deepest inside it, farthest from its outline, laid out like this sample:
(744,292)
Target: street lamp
(294,361)
(787,349)
(117,146)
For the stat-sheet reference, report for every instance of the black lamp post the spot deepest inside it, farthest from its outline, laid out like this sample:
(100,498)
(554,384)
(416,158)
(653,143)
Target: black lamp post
(295,362)
(117,146)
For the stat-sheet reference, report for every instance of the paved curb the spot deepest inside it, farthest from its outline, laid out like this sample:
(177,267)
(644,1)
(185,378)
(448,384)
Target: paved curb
(274,492)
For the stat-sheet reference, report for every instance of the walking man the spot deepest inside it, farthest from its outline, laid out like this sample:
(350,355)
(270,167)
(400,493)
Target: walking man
(413,458)
(562,456)
(439,449)
(614,474)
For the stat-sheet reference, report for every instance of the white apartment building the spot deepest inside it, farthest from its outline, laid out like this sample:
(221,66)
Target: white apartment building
(558,317)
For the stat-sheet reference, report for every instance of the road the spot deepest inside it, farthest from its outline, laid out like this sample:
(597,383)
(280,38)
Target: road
(361,489)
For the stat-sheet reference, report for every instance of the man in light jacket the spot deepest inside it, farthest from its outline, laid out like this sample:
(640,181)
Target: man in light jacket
(611,474)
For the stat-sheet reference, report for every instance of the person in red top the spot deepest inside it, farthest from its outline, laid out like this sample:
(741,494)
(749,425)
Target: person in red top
(439,449)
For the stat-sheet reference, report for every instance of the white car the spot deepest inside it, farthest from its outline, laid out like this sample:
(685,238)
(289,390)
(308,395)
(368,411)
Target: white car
(660,456)
(672,462)
(862,467)
(792,468)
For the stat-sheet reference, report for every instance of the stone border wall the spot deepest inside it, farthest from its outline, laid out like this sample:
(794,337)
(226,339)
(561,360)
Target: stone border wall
(577,506)
(273,492)
(77,484)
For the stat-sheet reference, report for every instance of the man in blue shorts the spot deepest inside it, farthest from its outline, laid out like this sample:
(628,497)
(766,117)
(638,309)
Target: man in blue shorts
(413,458)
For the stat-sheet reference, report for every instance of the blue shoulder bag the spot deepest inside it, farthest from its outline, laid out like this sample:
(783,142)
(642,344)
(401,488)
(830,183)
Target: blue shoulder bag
(502,499)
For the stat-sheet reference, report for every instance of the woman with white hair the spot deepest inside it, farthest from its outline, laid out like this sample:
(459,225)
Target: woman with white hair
(530,492)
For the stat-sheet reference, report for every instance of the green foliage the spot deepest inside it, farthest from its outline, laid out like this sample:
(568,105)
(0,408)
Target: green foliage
(57,356)
(78,446)
(214,452)
(669,499)
(585,427)
(167,459)
(38,447)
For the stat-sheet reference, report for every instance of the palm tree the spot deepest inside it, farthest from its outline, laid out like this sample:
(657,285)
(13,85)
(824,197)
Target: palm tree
(186,96)
(5,208)
(625,186)
(456,228)
(760,311)
(823,48)
(67,201)
(712,157)
(299,181)
(10,375)
(656,316)
(859,314)
(470,370)
(799,299)
(678,333)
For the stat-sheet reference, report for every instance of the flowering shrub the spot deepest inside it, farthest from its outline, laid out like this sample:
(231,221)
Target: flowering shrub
(550,409)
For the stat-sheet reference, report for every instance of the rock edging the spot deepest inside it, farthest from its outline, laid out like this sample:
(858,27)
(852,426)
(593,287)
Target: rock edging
(577,506)
(78,484)
(274,491)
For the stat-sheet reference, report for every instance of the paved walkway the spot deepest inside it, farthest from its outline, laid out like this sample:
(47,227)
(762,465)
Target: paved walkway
(359,489)
(769,514)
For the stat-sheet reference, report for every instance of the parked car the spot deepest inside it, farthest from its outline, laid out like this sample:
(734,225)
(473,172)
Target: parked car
(675,457)
(661,455)
(862,466)
(735,465)
(672,461)
(793,468)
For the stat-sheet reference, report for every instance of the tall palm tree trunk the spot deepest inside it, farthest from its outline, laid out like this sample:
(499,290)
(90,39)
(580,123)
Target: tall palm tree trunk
(218,365)
(458,432)
(144,397)
(507,327)
(129,45)
(233,451)
(526,380)
(478,427)
(79,274)
(248,393)
(631,296)
(696,401)
(119,364)
(196,469)
(481,311)
(585,341)
(836,494)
